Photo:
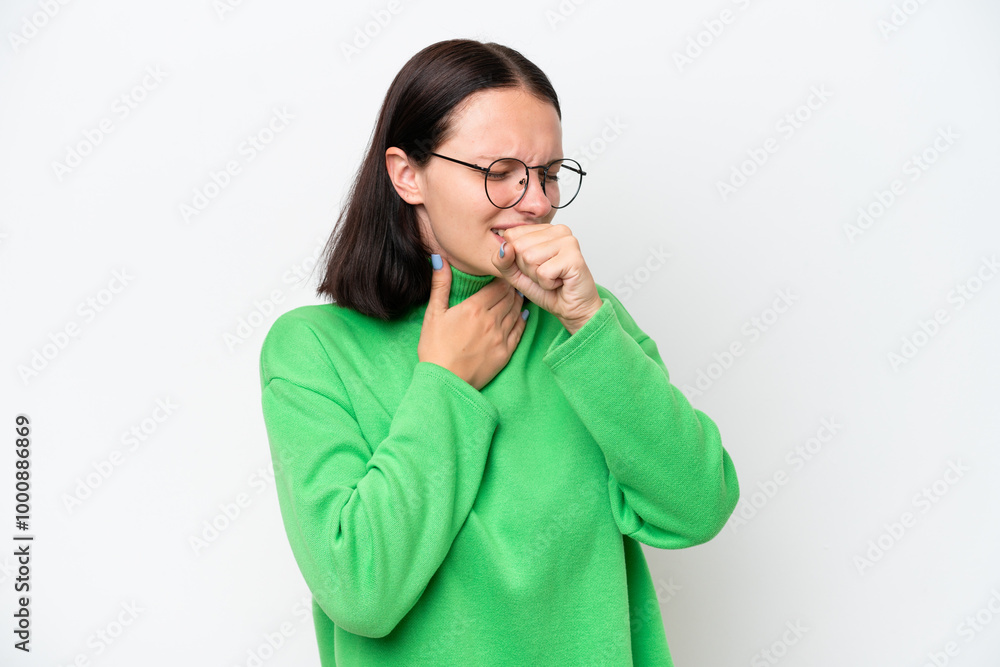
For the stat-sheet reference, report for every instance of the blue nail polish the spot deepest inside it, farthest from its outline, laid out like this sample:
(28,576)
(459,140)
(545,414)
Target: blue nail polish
(519,293)
(524,314)
(501,248)
(436,262)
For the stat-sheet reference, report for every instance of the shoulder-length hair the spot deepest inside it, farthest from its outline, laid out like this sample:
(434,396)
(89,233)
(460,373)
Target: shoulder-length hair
(375,260)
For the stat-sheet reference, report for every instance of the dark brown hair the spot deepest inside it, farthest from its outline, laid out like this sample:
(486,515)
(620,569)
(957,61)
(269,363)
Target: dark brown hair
(376,262)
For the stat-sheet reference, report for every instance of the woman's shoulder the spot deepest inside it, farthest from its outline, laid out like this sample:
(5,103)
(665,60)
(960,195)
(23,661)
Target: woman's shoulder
(300,337)
(330,326)
(315,315)
(323,321)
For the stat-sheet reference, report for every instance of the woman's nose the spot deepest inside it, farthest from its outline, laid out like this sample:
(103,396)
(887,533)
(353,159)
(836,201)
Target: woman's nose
(534,202)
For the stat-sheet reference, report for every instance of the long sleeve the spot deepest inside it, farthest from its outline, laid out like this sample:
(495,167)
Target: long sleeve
(672,484)
(369,523)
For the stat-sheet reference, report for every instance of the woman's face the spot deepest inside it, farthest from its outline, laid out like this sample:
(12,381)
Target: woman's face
(455,215)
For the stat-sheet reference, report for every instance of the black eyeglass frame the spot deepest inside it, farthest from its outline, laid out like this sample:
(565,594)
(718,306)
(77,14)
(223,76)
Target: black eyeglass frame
(527,171)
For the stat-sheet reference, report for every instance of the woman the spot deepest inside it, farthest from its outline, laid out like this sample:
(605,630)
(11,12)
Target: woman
(471,443)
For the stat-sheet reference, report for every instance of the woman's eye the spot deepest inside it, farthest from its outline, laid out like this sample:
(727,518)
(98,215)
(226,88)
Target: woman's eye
(497,175)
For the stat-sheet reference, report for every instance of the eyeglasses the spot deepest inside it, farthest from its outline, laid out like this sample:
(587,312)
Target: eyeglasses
(507,180)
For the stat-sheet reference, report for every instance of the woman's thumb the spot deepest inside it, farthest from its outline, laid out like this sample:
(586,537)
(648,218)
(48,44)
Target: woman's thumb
(440,283)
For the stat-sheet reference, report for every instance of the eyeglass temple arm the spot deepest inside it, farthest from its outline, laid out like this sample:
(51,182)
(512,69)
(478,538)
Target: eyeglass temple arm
(565,166)
(484,169)
(467,164)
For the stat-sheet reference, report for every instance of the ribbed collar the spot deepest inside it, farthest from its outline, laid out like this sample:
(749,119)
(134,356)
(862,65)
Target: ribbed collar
(464,285)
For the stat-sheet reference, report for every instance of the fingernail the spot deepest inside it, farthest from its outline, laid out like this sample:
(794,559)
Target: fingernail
(502,247)
(436,262)
(519,293)
(524,314)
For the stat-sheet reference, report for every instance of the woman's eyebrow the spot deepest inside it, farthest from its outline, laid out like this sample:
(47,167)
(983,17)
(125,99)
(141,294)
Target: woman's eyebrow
(497,157)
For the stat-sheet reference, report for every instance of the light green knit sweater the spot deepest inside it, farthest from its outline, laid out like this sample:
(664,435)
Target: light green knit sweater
(440,525)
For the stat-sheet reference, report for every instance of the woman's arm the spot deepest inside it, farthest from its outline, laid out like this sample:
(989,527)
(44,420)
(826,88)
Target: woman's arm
(672,483)
(369,523)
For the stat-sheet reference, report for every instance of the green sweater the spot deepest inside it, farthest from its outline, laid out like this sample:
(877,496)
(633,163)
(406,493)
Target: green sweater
(440,525)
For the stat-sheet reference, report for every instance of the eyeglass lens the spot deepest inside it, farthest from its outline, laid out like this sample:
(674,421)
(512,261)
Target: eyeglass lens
(508,178)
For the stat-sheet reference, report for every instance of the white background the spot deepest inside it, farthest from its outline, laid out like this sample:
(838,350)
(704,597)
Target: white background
(658,135)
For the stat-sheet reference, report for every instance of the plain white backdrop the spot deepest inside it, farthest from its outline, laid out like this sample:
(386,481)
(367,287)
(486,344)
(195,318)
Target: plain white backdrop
(797,201)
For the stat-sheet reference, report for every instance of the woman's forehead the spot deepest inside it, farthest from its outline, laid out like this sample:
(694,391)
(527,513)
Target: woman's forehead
(492,123)
(495,105)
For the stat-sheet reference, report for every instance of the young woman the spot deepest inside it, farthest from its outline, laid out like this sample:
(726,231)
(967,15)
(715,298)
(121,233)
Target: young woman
(473,439)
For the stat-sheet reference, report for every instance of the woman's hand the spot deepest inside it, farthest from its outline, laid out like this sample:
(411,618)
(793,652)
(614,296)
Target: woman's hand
(476,338)
(544,262)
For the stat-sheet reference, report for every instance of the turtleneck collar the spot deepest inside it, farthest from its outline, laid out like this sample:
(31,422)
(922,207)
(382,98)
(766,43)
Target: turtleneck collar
(464,285)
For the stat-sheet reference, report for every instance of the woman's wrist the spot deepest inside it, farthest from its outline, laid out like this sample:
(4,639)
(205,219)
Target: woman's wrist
(574,325)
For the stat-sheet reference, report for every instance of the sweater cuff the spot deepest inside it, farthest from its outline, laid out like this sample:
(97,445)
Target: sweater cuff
(463,389)
(565,344)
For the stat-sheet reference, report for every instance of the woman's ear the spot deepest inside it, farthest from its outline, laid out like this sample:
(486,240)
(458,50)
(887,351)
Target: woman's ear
(403,175)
